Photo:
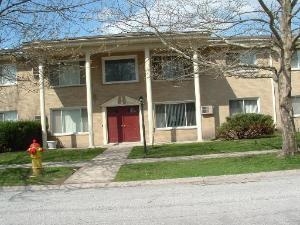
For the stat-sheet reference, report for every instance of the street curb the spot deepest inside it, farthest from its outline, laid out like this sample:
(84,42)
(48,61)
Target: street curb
(211,180)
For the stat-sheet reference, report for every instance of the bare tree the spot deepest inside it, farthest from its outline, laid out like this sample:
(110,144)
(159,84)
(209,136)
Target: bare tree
(286,34)
(28,20)
(277,20)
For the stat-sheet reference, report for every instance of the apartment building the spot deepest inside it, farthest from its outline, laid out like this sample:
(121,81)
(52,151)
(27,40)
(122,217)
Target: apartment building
(94,93)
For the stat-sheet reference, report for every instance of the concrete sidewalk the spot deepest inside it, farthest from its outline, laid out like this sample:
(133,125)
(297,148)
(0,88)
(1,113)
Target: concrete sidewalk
(103,168)
(195,157)
(210,180)
(47,164)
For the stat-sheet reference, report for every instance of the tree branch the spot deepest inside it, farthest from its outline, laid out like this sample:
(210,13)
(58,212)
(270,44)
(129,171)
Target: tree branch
(293,4)
(14,5)
(272,21)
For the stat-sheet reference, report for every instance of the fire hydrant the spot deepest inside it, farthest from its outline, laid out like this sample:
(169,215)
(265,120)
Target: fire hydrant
(35,150)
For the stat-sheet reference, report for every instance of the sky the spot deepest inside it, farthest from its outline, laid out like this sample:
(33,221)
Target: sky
(116,16)
(180,15)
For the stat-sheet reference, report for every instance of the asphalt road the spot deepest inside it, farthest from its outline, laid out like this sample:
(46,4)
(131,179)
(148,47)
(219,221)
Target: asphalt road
(272,201)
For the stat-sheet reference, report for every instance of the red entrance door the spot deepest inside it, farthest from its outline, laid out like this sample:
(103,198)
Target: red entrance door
(123,124)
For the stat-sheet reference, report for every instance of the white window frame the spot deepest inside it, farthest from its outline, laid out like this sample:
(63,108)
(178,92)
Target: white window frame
(3,115)
(174,102)
(15,80)
(66,109)
(118,58)
(59,73)
(297,52)
(245,99)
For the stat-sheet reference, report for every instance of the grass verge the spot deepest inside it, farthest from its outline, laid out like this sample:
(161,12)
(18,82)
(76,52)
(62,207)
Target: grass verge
(58,155)
(21,176)
(172,150)
(208,167)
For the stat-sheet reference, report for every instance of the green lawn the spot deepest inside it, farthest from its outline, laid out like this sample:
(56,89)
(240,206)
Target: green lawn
(172,150)
(208,167)
(58,155)
(21,176)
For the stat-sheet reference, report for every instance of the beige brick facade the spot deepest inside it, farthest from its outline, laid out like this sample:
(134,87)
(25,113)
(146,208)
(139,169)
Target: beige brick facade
(22,97)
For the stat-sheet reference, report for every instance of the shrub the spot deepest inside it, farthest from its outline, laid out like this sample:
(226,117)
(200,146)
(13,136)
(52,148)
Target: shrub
(18,135)
(249,125)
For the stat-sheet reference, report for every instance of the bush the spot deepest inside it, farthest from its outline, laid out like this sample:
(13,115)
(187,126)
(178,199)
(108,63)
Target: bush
(249,125)
(18,135)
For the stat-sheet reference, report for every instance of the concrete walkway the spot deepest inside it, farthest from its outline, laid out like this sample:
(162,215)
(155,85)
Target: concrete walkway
(103,168)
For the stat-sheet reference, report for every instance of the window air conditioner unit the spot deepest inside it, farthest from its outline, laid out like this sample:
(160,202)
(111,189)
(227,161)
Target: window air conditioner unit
(207,109)
(37,118)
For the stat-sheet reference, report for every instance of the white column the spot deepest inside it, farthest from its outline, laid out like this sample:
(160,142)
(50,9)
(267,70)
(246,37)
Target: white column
(273,91)
(274,101)
(197,96)
(104,124)
(42,105)
(149,94)
(89,98)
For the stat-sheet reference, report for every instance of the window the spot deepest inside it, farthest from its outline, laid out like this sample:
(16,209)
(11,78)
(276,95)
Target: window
(243,106)
(8,116)
(69,120)
(296,105)
(248,58)
(296,60)
(67,73)
(120,69)
(175,115)
(8,74)
(171,67)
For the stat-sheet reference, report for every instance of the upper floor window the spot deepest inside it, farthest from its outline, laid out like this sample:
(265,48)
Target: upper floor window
(8,116)
(171,67)
(69,120)
(296,60)
(296,105)
(67,73)
(243,106)
(8,74)
(247,58)
(175,115)
(119,69)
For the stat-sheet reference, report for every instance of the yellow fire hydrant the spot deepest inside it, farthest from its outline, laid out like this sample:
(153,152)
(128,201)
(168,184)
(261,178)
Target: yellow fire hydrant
(35,150)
